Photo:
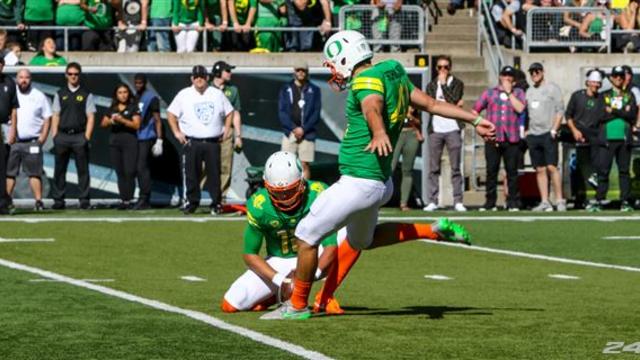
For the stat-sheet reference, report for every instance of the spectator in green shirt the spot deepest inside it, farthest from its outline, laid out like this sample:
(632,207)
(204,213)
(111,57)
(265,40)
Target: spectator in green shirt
(11,15)
(69,13)
(243,13)
(187,23)
(47,55)
(216,22)
(38,13)
(160,14)
(271,13)
(99,19)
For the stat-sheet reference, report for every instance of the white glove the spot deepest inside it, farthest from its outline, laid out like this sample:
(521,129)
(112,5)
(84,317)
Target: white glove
(156,149)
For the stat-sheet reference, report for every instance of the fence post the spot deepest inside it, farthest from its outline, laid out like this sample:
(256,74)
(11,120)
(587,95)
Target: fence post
(66,39)
(204,40)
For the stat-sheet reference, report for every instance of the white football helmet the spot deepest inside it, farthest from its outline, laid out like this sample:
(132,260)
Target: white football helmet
(343,51)
(284,180)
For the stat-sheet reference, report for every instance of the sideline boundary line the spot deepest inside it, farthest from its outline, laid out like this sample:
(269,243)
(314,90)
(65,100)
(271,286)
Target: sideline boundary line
(535,256)
(115,219)
(202,317)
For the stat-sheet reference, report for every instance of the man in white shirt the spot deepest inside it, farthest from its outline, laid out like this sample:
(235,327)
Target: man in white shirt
(200,118)
(32,124)
(444,131)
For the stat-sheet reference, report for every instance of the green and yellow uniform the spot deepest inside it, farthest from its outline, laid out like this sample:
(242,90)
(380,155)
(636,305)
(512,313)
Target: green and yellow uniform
(388,79)
(617,128)
(188,12)
(102,19)
(242,10)
(269,16)
(266,222)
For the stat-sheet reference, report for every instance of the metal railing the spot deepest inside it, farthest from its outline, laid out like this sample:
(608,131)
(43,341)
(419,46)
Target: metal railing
(487,35)
(546,28)
(204,32)
(384,26)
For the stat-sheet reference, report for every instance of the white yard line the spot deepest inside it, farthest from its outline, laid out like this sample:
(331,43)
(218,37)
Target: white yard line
(87,280)
(535,256)
(5,240)
(217,323)
(192,278)
(564,277)
(621,238)
(203,219)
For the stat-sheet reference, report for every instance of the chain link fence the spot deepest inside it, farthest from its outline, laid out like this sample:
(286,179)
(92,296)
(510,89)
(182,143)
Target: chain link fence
(547,28)
(385,26)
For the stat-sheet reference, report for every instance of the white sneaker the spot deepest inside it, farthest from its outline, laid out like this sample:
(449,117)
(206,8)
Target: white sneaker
(431,207)
(561,205)
(543,206)
(459,207)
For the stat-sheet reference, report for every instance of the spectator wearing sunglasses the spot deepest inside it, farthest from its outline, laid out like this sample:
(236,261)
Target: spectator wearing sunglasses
(545,109)
(72,126)
(299,106)
(615,130)
(445,132)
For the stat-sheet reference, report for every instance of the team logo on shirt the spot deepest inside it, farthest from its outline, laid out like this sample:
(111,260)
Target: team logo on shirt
(205,111)
(275,224)
(79,98)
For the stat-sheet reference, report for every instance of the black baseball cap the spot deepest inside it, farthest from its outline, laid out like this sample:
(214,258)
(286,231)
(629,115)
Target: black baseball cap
(627,69)
(221,66)
(508,71)
(535,66)
(199,71)
(618,71)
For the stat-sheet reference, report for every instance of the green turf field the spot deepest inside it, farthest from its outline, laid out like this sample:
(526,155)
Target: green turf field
(493,305)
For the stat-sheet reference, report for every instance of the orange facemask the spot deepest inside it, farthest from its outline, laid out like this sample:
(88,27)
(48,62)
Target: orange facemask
(337,81)
(286,198)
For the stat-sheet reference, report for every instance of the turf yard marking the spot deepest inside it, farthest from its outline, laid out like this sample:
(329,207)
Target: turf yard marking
(621,238)
(4,240)
(204,219)
(215,322)
(437,277)
(512,218)
(535,256)
(87,280)
(564,277)
(192,278)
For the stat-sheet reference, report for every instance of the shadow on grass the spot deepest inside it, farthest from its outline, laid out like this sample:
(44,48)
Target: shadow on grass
(432,312)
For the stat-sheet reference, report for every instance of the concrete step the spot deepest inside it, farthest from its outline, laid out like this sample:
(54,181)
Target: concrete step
(462,18)
(471,76)
(457,28)
(441,48)
(445,36)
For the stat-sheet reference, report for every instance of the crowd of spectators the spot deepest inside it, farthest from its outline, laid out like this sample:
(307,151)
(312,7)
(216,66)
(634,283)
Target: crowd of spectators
(573,25)
(229,25)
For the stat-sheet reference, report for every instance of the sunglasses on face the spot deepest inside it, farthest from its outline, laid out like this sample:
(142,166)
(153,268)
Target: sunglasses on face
(440,67)
(73,74)
(301,69)
(535,72)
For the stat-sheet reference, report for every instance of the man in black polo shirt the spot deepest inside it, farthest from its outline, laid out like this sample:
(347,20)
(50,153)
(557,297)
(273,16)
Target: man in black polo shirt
(72,126)
(583,114)
(8,107)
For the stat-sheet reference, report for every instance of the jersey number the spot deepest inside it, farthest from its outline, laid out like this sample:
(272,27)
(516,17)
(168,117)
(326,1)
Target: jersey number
(401,109)
(286,241)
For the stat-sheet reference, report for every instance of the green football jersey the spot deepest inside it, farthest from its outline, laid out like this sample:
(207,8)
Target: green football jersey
(266,222)
(388,79)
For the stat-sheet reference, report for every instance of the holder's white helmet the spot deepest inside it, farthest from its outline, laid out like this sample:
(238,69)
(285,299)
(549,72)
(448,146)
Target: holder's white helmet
(284,180)
(343,51)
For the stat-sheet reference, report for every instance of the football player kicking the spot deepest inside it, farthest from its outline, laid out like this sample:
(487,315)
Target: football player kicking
(273,213)
(377,102)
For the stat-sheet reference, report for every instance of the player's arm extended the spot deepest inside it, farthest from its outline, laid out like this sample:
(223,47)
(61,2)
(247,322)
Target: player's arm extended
(372,107)
(256,263)
(424,102)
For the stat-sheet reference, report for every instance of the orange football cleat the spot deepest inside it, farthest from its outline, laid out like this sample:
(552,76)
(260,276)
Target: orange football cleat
(332,307)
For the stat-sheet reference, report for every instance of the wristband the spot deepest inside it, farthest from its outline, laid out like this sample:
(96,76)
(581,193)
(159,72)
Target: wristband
(477,121)
(278,279)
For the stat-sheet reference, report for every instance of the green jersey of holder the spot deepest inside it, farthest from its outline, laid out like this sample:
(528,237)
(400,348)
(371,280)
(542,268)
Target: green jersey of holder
(388,79)
(276,227)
